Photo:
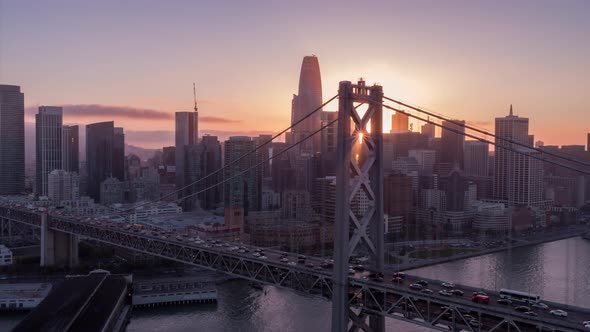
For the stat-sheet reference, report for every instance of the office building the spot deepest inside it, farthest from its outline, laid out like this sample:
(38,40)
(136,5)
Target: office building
(399,123)
(12,140)
(119,153)
(63,186)
(309,98)
(425,158)
(70,149)
(429,130)
(518,178)
(452,143)
(476,158)
(241,188)
(99,155)
(48,148)
(186,133)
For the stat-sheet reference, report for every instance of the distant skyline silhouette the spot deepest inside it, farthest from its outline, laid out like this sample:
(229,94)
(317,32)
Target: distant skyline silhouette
(468,60)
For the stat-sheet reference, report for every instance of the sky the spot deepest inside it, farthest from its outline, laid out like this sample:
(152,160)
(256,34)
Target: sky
(134,61)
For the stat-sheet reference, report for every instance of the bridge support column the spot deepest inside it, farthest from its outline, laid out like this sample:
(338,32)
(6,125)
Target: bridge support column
(361,171)
(57,248)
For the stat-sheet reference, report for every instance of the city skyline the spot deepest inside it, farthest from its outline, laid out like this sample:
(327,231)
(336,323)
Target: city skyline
(488,66)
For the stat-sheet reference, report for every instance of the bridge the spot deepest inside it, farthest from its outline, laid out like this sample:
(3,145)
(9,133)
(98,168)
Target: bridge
(360,300)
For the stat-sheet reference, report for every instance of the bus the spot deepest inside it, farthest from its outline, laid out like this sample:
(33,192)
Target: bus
(519,296)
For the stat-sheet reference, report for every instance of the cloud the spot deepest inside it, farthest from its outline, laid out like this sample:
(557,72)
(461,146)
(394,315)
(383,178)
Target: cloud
(84,111)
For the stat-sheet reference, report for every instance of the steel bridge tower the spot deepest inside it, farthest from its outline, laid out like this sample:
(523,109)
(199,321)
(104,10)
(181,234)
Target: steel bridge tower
(359,168)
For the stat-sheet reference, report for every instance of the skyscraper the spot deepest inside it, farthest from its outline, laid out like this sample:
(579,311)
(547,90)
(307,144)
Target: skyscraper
(119,154)
(48,129)
(187,133)
(399,123)
(428,129)
(476,158)
(70,149)
(518,178)
(99,155)
(307,100)
(12,140)
(452,143)
(242,190)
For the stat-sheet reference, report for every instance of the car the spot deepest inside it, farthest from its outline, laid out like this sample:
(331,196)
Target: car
(241,251)
(504,302)
(256,254)
(587,327)
(351,271)
(422,282)
(399,275)
(522,308)
(292,263)
(284,260)
(484,299)
(359,267)
(262,257)
(586,322)
(448,285)
(397,280)
(531,313)
(540,305)
(558,312)
(445,293)
(426,291)
(416,286)
(310,265)
(457,292)
(479,293)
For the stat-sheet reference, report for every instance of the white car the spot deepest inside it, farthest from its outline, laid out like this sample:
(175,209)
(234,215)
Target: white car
(586,322)
(445,293)
(262,257)
(292,263)
(558,312)
(256,254)
(587,327)
(448,285)
(284,260)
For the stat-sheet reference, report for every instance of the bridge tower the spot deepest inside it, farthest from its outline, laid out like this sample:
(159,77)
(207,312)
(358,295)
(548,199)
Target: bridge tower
(359,170)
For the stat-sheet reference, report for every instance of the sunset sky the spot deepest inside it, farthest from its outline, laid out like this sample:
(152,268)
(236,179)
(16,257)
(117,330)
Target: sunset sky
(134,61)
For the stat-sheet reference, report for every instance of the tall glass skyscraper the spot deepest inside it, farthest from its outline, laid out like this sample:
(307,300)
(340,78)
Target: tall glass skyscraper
(99,155)
(48,131)
(12,140)
(70,149)
(307,100)
(186,134)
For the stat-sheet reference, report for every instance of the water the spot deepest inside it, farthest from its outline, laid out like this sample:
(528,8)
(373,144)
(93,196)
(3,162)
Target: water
(558,271)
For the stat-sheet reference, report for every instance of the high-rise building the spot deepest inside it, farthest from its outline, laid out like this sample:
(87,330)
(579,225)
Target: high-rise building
(476,158)
(12,140)
(210,163)
(399,123)
(99,155)
(518,178)
(187,133)
(425,158)
(329,134)
(70,149)
(402,143)
(452,143)
(63,186)
(48,129)
(429,130)
(119,154)
(240,188)
(398,196)
(307,100)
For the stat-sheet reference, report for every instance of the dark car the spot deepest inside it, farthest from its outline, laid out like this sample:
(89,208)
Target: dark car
(422,282)
(399,275)
(416,287)
(457,292)
(522,308)
(504,302)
